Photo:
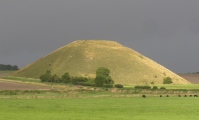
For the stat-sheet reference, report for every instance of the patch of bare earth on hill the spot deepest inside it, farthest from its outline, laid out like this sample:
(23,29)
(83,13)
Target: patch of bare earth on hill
(193,78)
(10,85)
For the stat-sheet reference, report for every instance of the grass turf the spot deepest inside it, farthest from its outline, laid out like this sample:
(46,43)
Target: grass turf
(171,86)
(150,108)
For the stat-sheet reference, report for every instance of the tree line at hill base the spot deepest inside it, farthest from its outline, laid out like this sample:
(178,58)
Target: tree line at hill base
(8,67)
(103,79)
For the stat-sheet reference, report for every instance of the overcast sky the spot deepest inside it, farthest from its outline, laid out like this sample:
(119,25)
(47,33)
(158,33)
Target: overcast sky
(166,31)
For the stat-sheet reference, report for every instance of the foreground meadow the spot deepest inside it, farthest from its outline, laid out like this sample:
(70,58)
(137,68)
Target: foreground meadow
(107,108)
(74,103)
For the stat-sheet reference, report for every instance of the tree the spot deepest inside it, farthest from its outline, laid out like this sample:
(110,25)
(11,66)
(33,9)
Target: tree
(46,77)
(15,67)
(102,77)
(78,80)
(99,81)
(103,71)
(55,78)
(108,80)
(66,78)
(8,67)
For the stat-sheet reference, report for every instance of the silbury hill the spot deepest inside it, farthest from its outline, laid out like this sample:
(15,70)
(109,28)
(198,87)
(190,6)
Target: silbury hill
(84,57)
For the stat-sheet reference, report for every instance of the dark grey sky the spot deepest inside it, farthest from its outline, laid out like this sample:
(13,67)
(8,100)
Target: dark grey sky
(166,31)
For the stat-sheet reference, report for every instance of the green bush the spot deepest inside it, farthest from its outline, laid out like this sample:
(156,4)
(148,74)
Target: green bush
(142,87)
(167,80)
(108,80)
(77,80)
(55,79)
(86,84)
(155,88)
(108,85)
(46,77)
(65,78)
(118,85)
(152,83)
(162,88)
(10,92)
(99,81)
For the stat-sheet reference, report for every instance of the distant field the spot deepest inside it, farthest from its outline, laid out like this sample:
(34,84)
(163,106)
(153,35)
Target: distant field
(11,85)
(193,78)
(6,84)
(134,108)
(5,73)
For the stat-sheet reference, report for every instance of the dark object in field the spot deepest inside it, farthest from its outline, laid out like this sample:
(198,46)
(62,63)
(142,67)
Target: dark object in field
(144,96)
(167,96)
(190,95)
(179,95)
(160,95)
(185,95)
(195,95)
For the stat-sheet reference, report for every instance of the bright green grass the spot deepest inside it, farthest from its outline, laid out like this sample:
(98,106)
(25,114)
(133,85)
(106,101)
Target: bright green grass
(151,108)
(171,86)
(187,86)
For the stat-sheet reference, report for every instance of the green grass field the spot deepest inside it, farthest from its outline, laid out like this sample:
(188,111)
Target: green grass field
(134,108)
(171,86)
(72,103)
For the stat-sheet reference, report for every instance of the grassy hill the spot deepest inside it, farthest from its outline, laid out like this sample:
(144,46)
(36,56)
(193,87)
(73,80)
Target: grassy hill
(83,57)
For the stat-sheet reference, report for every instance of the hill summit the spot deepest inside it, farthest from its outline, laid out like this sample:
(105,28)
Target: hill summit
(84,57)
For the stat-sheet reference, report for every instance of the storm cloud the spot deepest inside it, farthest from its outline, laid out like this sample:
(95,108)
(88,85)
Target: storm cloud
(166,31)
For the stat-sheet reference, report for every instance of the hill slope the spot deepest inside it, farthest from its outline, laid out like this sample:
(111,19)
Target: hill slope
(83,57)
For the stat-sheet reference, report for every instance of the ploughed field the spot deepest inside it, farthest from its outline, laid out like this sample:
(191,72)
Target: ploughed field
(5,73)
(10,85)
(193,78)
(18,85)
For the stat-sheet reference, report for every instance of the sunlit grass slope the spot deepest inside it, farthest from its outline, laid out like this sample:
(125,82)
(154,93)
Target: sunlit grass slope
(83,57)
